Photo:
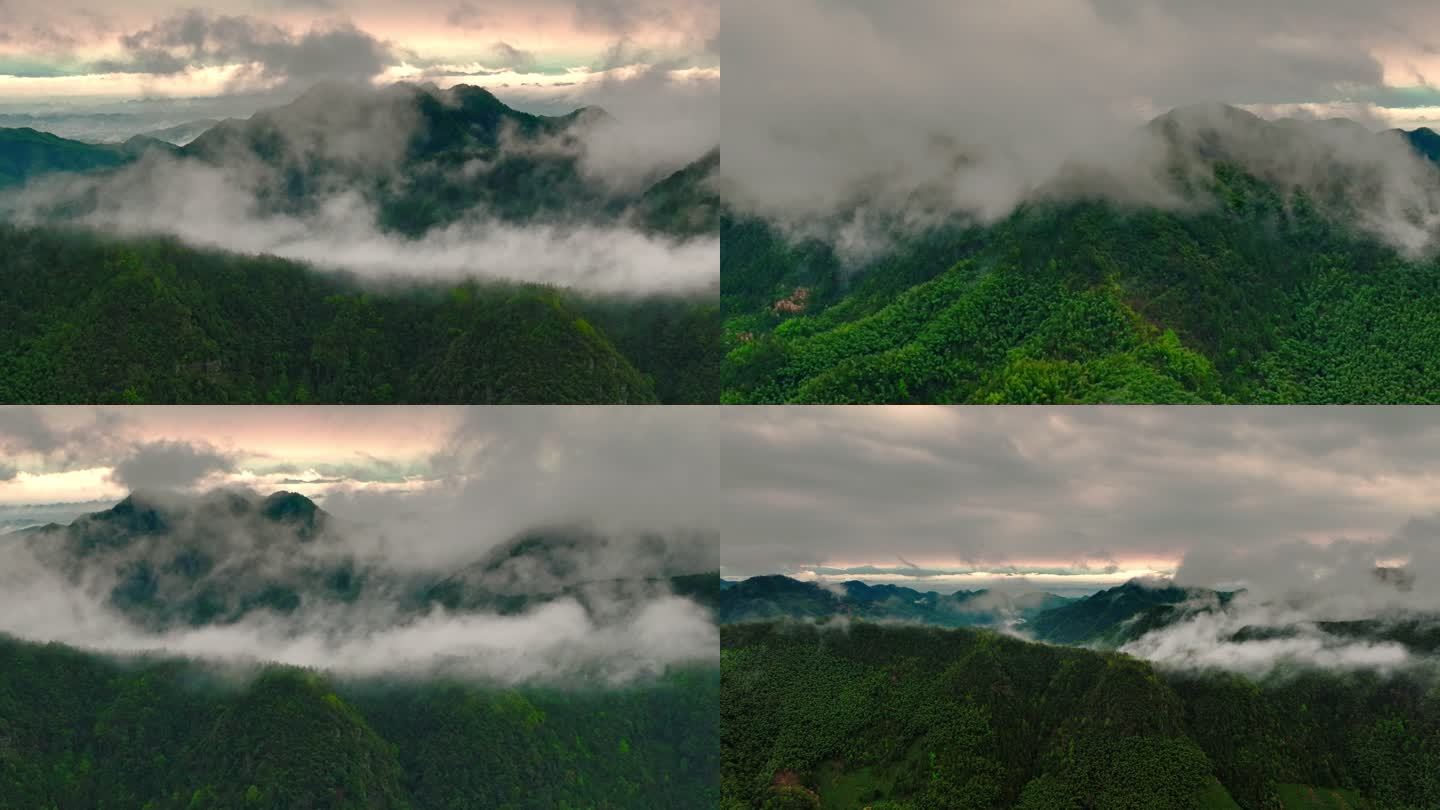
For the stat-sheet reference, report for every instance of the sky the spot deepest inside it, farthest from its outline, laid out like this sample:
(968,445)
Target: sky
(156,63)
(828,100)
(1038,498)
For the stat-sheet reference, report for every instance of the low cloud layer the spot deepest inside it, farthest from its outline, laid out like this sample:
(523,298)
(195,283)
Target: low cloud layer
(1233,638)
(205,207)
(559,640)
(585,511)
(860,115)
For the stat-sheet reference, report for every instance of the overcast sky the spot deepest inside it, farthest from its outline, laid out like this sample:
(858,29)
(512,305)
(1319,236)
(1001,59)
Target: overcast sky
(162,60)
(942,497)
(824,94)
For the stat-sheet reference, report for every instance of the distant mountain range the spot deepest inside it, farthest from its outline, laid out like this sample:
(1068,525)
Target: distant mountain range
(775,597)
(424,157)
(1107,619)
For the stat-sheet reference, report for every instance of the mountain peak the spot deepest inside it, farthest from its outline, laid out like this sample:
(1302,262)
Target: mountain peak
(291,507)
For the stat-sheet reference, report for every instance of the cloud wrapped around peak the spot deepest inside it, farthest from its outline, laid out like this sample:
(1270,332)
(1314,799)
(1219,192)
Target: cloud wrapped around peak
(923,110)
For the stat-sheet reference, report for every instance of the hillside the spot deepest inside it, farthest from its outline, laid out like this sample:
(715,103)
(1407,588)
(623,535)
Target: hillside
(896,716)
(82,730)
(1257,291)
(88,319)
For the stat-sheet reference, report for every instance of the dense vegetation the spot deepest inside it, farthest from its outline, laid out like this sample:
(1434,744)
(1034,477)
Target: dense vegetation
(84,319)
(895,716)
(81,730)
(1261,297)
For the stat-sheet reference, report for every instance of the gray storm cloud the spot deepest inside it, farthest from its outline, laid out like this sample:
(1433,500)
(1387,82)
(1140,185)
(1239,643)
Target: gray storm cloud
(200,38)
(876,115)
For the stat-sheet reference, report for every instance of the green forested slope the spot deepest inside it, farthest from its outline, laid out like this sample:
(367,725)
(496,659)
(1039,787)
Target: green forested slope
(1257,298)
(915,717)
(79,730)
(91,320)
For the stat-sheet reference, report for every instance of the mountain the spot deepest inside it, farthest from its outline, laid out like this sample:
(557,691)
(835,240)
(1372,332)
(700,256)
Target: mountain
(169,734)
(181,134)
(904,717)
(149,729)
(423,158)
(165,562)
(89,319)
(26,153)
(1116,615)
(1270,284)
(765,598)
(685,203)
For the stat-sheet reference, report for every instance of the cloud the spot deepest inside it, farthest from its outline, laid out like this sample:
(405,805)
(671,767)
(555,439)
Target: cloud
(166,465)
(923,111)
(507,469)
(466,15)
(1208,641)
(269,52)
(619,498)
(29,431)
(24,429)
(509,56)
(627,16)
(212,207)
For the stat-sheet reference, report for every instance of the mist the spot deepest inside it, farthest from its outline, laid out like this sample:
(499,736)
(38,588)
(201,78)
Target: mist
(356,137)
(1208,640)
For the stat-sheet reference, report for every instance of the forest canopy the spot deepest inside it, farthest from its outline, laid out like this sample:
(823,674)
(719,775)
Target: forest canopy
(90,319)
